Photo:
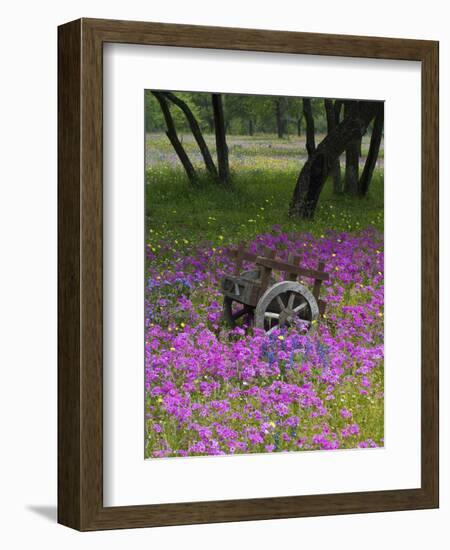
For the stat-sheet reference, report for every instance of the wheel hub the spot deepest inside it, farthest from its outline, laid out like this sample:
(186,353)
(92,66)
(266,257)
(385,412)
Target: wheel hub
(287,316)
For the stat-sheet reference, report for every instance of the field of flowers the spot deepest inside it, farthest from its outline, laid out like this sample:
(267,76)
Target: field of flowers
(213,391)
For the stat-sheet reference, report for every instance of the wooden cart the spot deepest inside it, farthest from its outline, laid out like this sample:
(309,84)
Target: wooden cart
(257,298)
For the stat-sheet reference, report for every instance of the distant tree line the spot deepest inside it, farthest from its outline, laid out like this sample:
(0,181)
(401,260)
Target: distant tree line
(344,123)
(244,114)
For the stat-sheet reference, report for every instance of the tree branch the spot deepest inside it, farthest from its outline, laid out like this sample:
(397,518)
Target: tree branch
(310,130)
(196,132)
(332,120)
(372,155)
(173,138)
(221,143)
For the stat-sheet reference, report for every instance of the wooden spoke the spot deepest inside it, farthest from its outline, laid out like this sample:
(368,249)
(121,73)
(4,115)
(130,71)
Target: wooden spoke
(280,303)
(271,315)
(301,307)
(291,300)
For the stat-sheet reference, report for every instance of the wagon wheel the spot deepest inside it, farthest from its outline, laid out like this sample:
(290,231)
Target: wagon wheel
(237,314)
(284,303)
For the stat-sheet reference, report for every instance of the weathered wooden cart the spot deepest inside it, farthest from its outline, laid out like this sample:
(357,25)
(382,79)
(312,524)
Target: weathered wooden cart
(257,298)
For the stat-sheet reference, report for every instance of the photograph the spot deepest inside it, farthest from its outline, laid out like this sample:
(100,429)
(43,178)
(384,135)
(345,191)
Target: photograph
(238,296)
(264,274)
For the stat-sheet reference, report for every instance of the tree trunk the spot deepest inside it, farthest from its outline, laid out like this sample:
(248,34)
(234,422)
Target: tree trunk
(279,117)
(196,132)
(315,171)
(352,161)
(299,126)
(337,110)
(173,138)
(221,143)
(352,167)
(372,155)
(310,130)
(331,125)
(250,127)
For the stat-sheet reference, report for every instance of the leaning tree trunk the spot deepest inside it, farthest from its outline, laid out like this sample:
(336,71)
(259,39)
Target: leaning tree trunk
(173,138)
(315,171)
(332,121)
(372,155)
(196,132)
(310,129)
(352,155)
(221,142)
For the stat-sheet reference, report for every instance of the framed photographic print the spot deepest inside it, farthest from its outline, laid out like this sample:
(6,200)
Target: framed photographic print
(248,274)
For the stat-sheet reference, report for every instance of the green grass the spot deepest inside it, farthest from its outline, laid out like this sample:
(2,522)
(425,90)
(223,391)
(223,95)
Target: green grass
(258,199)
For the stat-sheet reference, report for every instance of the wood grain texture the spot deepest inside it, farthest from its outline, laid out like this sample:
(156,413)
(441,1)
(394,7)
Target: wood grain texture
(80,264)
(430,273)
(69,243)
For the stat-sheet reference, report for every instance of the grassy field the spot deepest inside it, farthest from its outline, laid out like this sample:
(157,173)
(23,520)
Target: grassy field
(261,191)
(283,153)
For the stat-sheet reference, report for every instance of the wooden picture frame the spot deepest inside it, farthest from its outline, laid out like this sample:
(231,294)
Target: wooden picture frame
(80,271)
